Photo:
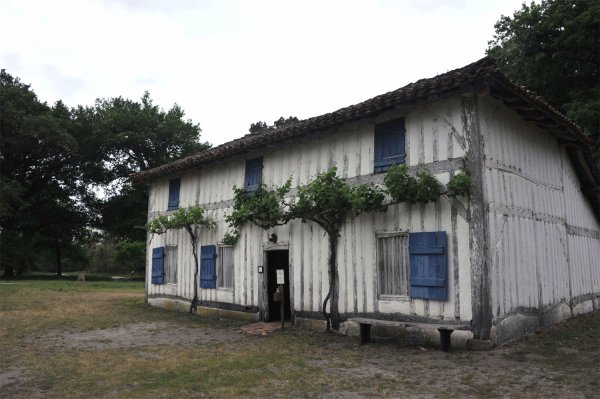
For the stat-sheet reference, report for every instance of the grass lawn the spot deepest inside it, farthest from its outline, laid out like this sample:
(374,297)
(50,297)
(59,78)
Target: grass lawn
(61,339)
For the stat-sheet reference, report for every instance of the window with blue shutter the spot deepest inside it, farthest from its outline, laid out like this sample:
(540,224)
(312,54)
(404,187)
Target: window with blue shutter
(428,265)
(158,265)
(208,275)
(389,144)
(173,194)
(253,178)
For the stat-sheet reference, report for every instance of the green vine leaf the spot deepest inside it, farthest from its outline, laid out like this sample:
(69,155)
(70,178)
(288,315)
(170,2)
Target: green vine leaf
(182,218)
(459,185)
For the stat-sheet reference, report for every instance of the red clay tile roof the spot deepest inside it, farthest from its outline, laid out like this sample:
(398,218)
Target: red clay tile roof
(483,73)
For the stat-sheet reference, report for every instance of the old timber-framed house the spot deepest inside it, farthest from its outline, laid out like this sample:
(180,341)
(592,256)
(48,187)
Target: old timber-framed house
(522,251)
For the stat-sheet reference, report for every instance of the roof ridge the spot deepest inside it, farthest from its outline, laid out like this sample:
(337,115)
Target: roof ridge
(422,89)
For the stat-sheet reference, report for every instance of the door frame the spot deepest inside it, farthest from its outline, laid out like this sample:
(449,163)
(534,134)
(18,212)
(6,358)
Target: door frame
(264,285)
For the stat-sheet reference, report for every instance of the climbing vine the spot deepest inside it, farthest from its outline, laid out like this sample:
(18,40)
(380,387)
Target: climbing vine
(459,185)
(404,188)
(192,220)
(329,201)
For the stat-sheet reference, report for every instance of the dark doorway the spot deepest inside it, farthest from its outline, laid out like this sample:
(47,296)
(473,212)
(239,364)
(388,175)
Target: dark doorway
(278,260)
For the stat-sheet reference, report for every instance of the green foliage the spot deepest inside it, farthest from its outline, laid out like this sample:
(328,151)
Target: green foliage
(264,208)
(404,188)
(329,201)
(187,218)
(400,186)
(261,126)
(119,136)
(553,48)
(132,255)
(124,214)
(459,185)
(44,202)
(53,160)
(428,188)
(192,220)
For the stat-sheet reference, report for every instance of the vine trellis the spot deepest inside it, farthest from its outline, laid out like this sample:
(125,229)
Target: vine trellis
(329,202)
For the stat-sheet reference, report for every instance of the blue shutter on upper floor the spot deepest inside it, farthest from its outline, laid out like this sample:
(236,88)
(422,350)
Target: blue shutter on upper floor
(253,177)
(208,275)
(158,265)
(389,144)
(428,265)
(174,186)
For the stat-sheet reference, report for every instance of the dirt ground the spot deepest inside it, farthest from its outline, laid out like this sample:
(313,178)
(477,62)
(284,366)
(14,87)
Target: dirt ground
(168,355)
(465,371)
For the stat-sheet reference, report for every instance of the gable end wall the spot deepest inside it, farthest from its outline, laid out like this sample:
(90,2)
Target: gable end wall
(544,245)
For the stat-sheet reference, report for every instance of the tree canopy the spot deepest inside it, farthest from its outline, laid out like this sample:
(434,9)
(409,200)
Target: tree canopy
(44,202)
(261,126)
(553,48)
(64,171)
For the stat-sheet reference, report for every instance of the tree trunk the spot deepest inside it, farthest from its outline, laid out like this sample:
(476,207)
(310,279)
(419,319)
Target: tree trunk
(8,271)
(58,259)
(333,317)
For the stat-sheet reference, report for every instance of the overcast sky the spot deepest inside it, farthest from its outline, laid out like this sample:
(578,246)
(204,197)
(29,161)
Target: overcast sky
(231,63)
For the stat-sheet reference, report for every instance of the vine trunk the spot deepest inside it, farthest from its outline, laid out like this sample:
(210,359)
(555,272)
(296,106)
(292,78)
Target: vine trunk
(333,317)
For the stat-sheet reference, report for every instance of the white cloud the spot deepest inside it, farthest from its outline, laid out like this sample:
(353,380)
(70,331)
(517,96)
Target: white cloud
(230,63)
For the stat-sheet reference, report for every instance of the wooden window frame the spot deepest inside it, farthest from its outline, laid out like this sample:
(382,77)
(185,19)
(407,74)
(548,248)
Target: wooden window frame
(174,207)
(383,132)
(169,264)
(391,297)
(220,273)
(247,173)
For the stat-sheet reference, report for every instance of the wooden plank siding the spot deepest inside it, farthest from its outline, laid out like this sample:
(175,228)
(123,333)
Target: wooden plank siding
(544,249)
(432,135)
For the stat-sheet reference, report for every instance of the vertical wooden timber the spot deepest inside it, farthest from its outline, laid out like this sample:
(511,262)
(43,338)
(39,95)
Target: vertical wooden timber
(478,232)
(566,216)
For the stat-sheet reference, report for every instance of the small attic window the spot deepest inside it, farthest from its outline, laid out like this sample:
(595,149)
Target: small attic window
(253,177)
(174,186)
(389,144)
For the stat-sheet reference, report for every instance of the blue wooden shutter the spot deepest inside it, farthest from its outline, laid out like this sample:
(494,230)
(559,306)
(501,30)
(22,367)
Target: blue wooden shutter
(253,177)
(174,194)
(208,275)
(158,265)
(389,145)
(428,265)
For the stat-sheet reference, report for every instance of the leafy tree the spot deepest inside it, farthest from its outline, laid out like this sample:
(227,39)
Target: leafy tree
(42,202)
(553,48)
(119,137)
(261,126)
(54,159)
(132,254)
(258,127)
(191,220)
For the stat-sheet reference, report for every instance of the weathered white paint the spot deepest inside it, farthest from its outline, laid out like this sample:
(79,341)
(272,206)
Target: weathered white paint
(543,246)
(544,250)
(432,134)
